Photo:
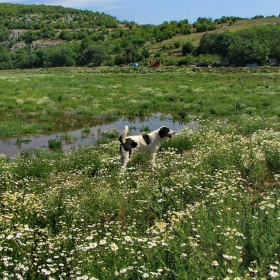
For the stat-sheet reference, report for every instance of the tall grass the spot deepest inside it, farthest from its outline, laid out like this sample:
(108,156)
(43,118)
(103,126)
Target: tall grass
(210,210)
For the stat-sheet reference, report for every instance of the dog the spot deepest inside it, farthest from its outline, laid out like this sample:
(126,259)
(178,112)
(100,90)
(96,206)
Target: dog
(147,143)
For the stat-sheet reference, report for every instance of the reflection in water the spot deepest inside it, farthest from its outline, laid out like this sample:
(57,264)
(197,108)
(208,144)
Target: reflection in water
(12,146)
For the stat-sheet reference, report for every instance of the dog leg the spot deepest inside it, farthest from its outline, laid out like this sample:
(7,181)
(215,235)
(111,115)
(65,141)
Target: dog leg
(153,160)
(124,159)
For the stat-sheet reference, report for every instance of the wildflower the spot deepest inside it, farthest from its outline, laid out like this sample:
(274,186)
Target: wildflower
(102,242)
(215,263)
(145,275)
(10,236)
(253,270)
(128,239)
(123,270)
(229,257)
(273,274)
(114,246)
(92,245)
(85,277)
(230,271)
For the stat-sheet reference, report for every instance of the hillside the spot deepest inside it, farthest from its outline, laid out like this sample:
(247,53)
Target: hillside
(26,29)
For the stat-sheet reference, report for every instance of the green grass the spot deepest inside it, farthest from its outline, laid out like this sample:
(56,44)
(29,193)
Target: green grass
(48,99)
(210,210)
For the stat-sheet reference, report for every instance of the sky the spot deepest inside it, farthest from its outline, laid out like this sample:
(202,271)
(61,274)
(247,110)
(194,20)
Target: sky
(157,11)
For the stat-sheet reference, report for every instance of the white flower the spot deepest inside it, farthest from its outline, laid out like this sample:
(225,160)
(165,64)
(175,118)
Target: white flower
(102,242)
(215,263)
(128,239)
(123,270)
(92,245)
(114,246)
(273,274)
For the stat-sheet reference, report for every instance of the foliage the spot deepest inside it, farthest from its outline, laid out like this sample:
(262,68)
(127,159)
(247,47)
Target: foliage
(204,24)
(253,52)
(188,48)
(210,210)
(55,144)
(93,54)
(245,46)
(125,42)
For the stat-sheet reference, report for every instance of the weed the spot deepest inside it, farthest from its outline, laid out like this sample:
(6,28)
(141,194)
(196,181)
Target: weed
(55,144)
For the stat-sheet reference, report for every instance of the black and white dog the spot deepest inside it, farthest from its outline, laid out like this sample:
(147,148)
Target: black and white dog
(147,143)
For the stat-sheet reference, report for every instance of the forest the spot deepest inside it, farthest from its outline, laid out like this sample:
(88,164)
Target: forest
(36,36)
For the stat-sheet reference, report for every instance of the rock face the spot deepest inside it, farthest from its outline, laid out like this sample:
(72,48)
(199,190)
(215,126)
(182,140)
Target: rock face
(42,43)
(39,44)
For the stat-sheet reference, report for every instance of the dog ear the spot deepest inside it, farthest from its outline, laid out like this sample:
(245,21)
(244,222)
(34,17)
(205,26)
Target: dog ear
(163,131)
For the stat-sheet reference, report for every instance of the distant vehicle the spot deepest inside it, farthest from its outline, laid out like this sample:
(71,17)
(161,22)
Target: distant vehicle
(202,64)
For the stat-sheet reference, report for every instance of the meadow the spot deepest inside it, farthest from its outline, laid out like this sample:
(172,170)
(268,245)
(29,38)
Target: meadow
(210,210)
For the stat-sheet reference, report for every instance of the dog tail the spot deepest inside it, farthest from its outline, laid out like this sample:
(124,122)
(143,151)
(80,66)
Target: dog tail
(123,135)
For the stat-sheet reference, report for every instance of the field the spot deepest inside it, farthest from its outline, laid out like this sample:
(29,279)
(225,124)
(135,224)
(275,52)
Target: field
(210,210)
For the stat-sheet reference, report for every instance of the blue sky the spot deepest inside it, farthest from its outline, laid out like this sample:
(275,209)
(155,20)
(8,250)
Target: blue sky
(158,11)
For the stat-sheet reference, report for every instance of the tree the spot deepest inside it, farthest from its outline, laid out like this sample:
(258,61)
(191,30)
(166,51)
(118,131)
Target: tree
(4,34)
(207,44)
(61,56)
(145,53)
(93,54)
(65,35)
(188,48)
(245,50)
(222,43)
(5,59)
(204,24)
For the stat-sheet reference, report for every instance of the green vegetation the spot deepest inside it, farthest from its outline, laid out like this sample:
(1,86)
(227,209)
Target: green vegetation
(55,144)
(36,36)
(66,98)
(210,210)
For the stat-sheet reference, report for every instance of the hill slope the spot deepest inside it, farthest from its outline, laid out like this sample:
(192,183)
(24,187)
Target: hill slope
(26,28)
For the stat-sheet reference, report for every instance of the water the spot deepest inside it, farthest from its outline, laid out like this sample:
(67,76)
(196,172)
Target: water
(11,147)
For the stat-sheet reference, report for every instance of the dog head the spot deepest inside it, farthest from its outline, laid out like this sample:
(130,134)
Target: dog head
(166,132)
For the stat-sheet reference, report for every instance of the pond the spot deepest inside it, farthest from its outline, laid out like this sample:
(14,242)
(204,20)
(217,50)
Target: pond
(76,138)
